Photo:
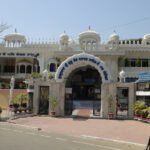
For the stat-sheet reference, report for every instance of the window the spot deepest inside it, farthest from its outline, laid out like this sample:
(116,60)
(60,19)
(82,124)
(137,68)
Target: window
(52,67)
(144,62)
(126,62)
(17,69)
(145,86)
(29,69)
(133,62)
(22,69)
(131,79)
(11,69)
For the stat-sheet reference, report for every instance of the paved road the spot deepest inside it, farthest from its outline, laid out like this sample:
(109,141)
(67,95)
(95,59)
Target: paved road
(14,137)
(122,130)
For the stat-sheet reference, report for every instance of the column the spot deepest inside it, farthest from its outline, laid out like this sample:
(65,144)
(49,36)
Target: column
(104,95)
(25,68)
(19,68)
(15,68)
(31,68)
(36,99)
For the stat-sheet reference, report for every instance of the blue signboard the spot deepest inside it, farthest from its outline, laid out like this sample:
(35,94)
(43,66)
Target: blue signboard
(81,59)
(144,76)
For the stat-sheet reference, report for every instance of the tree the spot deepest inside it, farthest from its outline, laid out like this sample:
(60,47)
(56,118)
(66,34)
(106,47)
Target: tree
(3,27)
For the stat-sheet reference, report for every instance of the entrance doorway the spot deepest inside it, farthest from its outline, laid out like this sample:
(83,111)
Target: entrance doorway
(122,102)
(83,91)
(43,100)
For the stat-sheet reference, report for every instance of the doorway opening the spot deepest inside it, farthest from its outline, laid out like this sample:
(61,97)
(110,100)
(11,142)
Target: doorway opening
(122,102)
(83,92)
(43,100)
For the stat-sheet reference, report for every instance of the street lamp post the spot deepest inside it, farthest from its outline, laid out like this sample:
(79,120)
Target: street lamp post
(12,83)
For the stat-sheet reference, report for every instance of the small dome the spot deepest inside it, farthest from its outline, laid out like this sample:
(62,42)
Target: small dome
(114,37)
(122,74)
(15,37)
(64,36)
(146,37)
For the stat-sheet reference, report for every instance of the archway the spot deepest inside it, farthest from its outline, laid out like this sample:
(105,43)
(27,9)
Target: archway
(80,60)
(83,75)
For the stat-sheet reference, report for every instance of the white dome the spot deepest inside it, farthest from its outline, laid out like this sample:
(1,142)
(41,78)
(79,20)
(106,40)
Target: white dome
(64,36)
(15,37)
(122,74)
(114,37)
(89,34)
(146,37)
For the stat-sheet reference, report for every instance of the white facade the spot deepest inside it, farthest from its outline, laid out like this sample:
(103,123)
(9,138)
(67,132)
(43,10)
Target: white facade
(135,51)
(20,57)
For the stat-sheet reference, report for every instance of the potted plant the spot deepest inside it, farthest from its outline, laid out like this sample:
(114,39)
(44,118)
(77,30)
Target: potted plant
(53,102)
(36,75)
(50,75)
(20,102)
(139,106)
(148,116)
(110,107)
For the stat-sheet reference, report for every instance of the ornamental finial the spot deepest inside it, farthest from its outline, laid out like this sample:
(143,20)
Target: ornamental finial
(89,27)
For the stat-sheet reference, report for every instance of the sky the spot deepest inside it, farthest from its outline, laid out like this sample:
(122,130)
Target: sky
(47,19)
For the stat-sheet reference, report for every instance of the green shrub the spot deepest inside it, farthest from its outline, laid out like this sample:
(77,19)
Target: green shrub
(139,106)
(148,116)
(53,102)
(36,75)
(144,113)
(20,99)
(110,104)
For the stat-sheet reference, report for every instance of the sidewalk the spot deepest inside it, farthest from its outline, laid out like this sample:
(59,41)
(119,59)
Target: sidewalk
(5,115)
(124,130)
(8,115)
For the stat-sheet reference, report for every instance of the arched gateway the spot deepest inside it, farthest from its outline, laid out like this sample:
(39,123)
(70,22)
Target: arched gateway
(83,75)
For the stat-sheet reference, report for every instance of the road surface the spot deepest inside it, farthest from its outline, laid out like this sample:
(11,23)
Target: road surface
(14,137)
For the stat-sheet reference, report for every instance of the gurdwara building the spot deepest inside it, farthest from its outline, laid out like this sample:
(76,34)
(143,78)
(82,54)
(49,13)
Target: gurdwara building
(83,73)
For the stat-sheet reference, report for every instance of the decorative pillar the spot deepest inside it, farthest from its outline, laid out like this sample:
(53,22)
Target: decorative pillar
(104,109)
(15,68)
(19,68)
(25,68)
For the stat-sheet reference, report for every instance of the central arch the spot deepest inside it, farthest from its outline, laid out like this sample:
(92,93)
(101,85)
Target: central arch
(83,75)
(81,60)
